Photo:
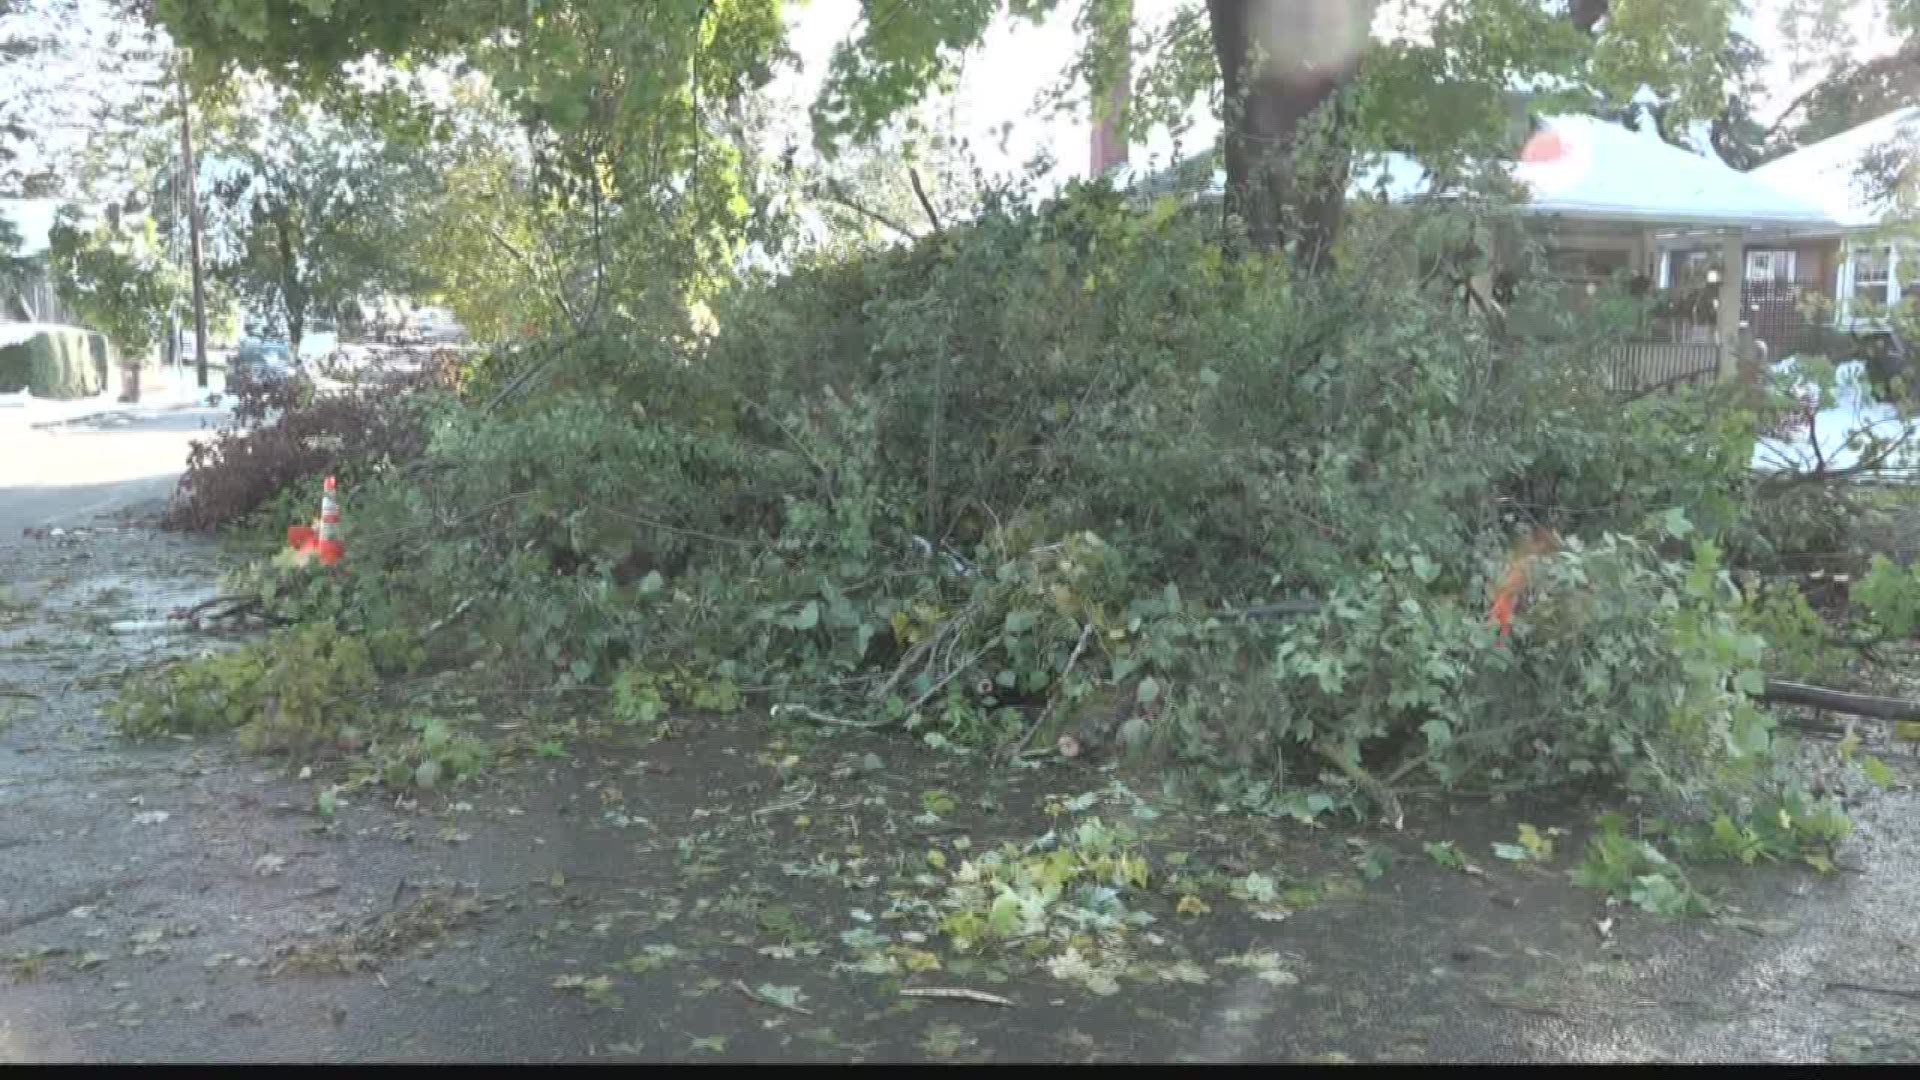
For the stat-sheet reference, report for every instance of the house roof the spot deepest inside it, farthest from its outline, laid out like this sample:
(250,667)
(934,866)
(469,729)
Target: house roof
(32,219)
(1827,173)
(1581,167)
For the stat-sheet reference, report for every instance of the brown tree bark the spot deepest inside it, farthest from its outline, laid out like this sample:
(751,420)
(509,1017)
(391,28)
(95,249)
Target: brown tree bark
(1282,62)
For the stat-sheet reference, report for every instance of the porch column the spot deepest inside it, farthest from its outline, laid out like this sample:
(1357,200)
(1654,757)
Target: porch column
(1733,267)
(1646,254)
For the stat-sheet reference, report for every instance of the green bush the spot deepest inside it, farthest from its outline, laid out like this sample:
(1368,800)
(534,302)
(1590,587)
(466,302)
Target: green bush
(60,362)
(1026,468)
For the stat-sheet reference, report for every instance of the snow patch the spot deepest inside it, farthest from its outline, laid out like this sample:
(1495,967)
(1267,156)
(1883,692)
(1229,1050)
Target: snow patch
(1838,429)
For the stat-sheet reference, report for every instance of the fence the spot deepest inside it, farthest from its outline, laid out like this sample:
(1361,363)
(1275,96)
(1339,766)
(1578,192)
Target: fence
(1638,366)
(1776,314)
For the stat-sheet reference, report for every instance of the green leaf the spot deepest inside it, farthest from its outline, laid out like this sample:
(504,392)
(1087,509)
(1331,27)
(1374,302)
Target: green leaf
(1444,853)
(1512,852)
(652,583)
(1019,622)
(1004,917)
(1148,691)
(806,618)
(1425,569)
(1675,524)
(786,996)
(1876,771)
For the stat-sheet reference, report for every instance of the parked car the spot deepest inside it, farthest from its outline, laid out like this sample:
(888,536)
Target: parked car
(265,361)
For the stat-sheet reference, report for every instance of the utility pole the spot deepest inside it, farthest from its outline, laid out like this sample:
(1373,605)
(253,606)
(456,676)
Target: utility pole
(193,232)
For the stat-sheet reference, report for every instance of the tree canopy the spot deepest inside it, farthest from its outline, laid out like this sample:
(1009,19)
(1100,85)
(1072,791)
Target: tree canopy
(624,95)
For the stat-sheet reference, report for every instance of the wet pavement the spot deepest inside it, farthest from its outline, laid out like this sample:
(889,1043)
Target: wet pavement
(716,893)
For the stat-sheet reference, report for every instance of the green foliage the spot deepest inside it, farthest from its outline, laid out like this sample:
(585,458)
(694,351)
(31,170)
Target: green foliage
(1633,869)
(427,754)
(1119,438)
(1084,876)
(56,363)
(643,698)
(323,209)
(1800,645)
(1891,595)
(117,278)
(1789,827)
(296,690)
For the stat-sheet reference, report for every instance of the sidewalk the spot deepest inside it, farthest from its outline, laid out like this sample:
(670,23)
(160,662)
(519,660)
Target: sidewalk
(163,391)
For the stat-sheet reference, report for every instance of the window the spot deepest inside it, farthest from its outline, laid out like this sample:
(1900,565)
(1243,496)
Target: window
(1769,266)
(1872,275)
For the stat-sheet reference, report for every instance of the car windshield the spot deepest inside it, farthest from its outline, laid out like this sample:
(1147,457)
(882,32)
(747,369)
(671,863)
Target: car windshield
(1097,531)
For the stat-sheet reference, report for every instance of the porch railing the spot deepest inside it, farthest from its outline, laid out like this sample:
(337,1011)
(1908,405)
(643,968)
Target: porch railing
(1645,365)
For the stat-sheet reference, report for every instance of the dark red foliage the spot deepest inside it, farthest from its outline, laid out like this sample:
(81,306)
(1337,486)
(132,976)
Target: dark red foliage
(282,432)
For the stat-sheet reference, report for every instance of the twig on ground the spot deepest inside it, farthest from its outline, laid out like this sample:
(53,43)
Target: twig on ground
(792,803)
(762,999)
(1890,991)
(957,993)
(819,717)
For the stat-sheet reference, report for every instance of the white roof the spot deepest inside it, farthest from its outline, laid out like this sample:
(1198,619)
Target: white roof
(1597,170)
(1605,171)
(1827,173)
(32,219)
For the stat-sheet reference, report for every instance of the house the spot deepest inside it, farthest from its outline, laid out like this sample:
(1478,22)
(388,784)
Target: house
(27,293)
(1799,287)
(1608,205)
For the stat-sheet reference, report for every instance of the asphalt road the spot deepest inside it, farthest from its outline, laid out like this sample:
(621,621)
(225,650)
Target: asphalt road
(67,474)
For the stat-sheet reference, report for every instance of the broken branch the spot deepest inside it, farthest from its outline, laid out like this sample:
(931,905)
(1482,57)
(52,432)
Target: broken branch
(1085,632)
(957,993)
(1890,991)
(764,1000)
(1779,691)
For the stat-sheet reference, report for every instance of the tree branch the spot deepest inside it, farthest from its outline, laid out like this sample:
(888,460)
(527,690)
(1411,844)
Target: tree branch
(925,203)
(833,193)
(1779,691)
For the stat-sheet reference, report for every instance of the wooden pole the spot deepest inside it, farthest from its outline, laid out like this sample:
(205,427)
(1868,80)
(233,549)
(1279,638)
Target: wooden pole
(193,235)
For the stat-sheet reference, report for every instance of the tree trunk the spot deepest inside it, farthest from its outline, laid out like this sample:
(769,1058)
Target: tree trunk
(292,296)
(1283,63)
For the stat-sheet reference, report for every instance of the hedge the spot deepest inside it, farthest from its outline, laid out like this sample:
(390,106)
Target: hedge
(59,362)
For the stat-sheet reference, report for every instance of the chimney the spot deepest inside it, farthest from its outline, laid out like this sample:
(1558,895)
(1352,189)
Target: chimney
(1109,143)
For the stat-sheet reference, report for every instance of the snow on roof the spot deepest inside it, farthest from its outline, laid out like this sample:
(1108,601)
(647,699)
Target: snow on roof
(32,219)
(1827,173)
(1582,167)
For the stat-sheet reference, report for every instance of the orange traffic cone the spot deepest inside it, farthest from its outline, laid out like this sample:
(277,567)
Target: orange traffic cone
(322,539)
(329,536)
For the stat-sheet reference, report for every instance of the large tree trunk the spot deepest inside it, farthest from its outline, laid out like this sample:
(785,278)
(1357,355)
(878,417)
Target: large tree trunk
(1282,64)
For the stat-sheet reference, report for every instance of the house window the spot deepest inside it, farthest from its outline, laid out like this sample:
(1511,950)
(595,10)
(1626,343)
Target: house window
(1769,266)
(1872,276)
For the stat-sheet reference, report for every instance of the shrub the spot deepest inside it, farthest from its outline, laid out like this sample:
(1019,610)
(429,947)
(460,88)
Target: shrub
(283,433)
(58,362)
